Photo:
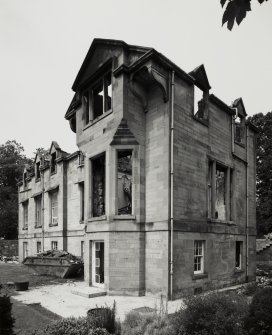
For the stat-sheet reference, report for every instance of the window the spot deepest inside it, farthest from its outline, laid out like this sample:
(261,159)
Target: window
(39,247)
(25,250)
(219,192)
(98,99)
(82,249)
(98,186)
(198,257)
(238,255)
(239,130)
(200,98)
(53,167)
(38,172)
(54,207)
(81,191)
(25,180)
(81,159)
(54,245)
(124,181)
(38,211)
(25,215)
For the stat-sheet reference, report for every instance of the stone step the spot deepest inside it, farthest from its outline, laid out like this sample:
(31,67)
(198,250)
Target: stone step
(89,292)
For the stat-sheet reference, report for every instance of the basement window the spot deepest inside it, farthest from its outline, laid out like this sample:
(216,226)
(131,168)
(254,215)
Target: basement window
(238,255)
(97,100)
(124,182)
(98,186)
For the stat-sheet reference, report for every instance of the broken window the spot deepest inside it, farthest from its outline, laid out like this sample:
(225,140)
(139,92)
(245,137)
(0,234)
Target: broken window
(25,214)
(238,254)
(81,191)
(219,191)
(200,108)
(53,167)
(239,130)
(38,211)
(98,182)
(124,181)
(54,207)
(54,245)
(98,99)
(38,172)
(198,257)
(39,247)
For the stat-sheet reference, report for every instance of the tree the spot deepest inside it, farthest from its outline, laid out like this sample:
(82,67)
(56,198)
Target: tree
(12,163)
(236,10)
(264,171)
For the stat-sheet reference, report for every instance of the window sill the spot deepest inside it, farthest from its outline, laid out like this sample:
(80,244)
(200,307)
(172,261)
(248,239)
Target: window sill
(240,143)
(52,173)
(37,227)
(237,270)
(53,224)
(225,222)
(197,276)
(25,190)
(98,218)
(81,221)
(91,123)
(80,165)
(124,217)
(37,180)
(25,228)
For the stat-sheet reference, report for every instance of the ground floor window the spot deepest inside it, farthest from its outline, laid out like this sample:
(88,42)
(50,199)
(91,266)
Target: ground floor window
(25,249)
(98,263)
(54,245)
(82,249)
(238,254)
(199,257)
(39,247)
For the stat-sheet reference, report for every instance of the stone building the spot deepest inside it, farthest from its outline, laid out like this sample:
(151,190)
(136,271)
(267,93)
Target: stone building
(160,197)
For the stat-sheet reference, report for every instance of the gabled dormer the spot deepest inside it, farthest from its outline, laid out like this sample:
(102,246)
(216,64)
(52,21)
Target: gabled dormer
(54,152)
(201,92)
(38,165)
(239,121)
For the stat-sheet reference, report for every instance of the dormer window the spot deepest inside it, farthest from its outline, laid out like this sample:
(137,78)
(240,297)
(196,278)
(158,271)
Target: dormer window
(200,103)
(38,172)
(239,130)
(25,180)
(53,167)
(98,99)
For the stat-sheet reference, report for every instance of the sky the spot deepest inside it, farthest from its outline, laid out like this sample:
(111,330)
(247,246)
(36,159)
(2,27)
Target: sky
(44,42)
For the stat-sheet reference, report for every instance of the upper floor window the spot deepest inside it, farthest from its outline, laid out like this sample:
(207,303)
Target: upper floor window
(54,208)
(53,164)
(98,186)
(98,99)
(25,184)
(239,130)
(25,214)
(200,103)
(124,181)
(38,172)
(38,211)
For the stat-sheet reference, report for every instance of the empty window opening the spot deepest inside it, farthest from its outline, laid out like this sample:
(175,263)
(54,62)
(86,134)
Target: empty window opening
(238,255)
(220,202)
(98,189)
(81,191)
(25,214)
(82,249)
(38,172)
(239,129)
(198,257)
(86,106)
(54,245)
(38,211)
(98,262)
(53,162)
(25,180)
(54,207)
(124,181)
(39,247)
(198,102)
(98,100)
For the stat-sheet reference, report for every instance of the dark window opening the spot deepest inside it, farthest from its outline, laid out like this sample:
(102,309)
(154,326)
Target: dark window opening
(82,249)
(39,247)
(238,255)
(38,172)
(25,180)
(239,129)
(86,106)
(98,192)
(108,92)
(98,100)
(25,214)
(53,162)
(124,181)
(81,190)
(220,202)
(38,211)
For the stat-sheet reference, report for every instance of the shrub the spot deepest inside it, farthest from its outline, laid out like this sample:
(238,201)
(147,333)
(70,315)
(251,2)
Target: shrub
(98,331)
(258,319)
(104,317)
(212,314)
(6,319)
(160,326)
(136,323)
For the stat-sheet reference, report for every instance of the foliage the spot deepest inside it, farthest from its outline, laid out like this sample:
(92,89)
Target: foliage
(236,10)
(104,317)
(264,171)
(212,314)
(98,331)
(6,319)
(12,163)
(258,320)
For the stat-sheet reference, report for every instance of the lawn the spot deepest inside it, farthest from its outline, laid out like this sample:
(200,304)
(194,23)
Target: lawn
(27,317)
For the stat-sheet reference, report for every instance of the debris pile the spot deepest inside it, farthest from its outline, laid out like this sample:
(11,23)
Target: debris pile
(7,259)
(61,254)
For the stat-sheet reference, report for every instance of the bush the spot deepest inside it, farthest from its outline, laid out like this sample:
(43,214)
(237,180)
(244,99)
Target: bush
(212,314)
(104,317)
(259,320)
(98,331)
(6,319)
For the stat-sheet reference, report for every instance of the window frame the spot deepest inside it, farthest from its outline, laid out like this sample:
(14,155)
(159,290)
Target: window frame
(53,163)
(25,214)
(201,256)
(91,209)
(54,243)
(239,245)
(39,250)
(81,186)
(88,106)
(38,171)
(51,194)
(38,199)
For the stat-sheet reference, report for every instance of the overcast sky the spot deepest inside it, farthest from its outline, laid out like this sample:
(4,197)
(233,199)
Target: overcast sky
(43,44)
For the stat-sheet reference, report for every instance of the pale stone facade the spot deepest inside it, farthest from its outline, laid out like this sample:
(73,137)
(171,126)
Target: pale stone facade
(165,200)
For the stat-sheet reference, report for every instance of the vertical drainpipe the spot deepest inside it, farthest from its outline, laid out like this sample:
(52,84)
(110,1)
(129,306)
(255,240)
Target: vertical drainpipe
(172,182)
(246,203)
(42,218)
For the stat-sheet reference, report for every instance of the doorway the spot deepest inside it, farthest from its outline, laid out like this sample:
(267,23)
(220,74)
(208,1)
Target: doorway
(98,263)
